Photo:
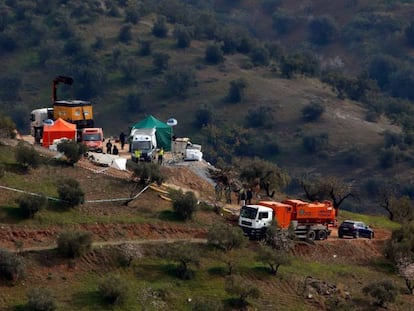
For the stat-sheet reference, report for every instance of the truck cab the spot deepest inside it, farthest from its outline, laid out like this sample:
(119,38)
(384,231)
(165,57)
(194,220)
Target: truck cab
(254,219)
(37,118)
(93,138)
(145,141)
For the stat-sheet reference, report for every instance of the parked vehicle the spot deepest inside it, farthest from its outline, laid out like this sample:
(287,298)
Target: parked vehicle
(37,120)
(355,229)
(93,138)
(309,220)
(144,141)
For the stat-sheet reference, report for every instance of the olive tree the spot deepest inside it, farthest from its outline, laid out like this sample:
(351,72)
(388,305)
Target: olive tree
(70,192)
(74,244)
(273,258)
(184,204)
(72,150)
(29,204)
(382,292)
(12,266)
(40,299)
(187,256)
(265,174)
(227,240)
(26,155)
(113,289)
(242,289)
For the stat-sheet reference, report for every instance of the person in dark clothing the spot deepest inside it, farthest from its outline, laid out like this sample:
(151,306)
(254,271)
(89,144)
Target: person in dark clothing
(122,140)
(109,147)
(249,196)
(115,150)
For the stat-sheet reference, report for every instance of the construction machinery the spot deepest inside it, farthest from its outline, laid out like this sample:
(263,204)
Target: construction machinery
(75,111)
(309,220)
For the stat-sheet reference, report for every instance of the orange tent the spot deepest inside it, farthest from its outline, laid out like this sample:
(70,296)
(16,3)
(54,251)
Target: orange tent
(59,129)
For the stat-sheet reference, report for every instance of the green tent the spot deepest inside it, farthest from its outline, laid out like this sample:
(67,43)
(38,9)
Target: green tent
(163,132)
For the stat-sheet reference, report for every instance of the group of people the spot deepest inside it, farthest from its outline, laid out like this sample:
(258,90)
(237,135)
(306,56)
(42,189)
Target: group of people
(113,149)
(245,196)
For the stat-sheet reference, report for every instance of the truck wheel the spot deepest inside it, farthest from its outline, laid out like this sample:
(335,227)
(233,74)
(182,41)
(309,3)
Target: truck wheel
(321,235)
(311,235)
(356,235)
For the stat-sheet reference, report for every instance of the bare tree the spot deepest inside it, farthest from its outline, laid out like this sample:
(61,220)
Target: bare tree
(320,189)
(406,269)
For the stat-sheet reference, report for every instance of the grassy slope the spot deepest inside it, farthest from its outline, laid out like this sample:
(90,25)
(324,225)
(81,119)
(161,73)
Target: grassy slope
(74,284)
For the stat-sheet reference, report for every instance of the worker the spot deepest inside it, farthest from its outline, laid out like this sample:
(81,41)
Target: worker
(249,196)
(115,150)
(122,140)
(109,147)
(160,155)
(137,155)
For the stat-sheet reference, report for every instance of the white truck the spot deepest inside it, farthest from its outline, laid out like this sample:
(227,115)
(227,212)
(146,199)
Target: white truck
(37,119)
(145,142)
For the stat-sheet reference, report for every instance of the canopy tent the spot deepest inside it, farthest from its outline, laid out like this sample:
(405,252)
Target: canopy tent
(59,129)
(163,133)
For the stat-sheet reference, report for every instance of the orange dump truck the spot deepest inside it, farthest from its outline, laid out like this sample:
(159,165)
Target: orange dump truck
(310,220)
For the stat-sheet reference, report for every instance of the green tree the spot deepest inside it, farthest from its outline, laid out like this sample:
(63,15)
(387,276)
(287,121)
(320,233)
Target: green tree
(283,23)
(132,15)
(12,266)
(72,150)
(73,244)
(160,29)
(113,289)
(70,192)
(263,173)
(273,258)
(227,239)
(147,173)
(26,155)
(40,299)
(260,117)
(236,90)
(184,204)
(186,254)
(315,143)
(382,292)
(242,289)
(30,204)
(179,80)
(133,103)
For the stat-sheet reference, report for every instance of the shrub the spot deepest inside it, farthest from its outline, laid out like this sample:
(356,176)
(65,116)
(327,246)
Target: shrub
(183,35)
(125,34)
(184,204)
(322,30)
(315,143)
(132,15)
(72,150)
(213,54)
(283,23)
(7,127)
(382,292)
(178,81)
(73,244)
(12,266)
(133,103)
(312,112)
(205,304)
(204,116)
(26,155)
(145,47)
(260,117)
(113,289)
(70,192)
(236,90)
(388,158)
(260,56)
(40,299)
(159,29)
(147,173)
(160,61)
(29,204)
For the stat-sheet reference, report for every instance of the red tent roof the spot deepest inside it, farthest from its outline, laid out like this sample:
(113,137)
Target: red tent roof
(59,129)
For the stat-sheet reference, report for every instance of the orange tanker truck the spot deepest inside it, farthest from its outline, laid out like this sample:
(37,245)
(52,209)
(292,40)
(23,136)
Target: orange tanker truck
(310,220)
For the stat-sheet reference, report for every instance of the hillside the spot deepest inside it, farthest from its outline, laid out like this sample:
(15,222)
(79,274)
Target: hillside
(135,232)
(281,51)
